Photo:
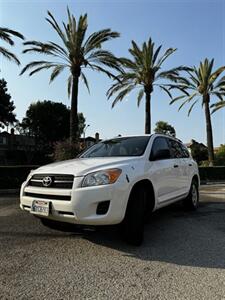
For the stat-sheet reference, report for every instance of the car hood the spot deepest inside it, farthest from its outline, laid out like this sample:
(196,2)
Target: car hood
(83,166)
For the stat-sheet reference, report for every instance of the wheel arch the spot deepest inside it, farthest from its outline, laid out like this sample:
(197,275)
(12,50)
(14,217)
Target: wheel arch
(196,178)
(147,184)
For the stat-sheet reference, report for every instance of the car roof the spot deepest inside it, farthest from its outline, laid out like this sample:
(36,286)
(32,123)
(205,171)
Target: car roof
(145,135)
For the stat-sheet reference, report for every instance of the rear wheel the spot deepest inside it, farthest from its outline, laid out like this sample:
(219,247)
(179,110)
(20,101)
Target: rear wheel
(191,202)
(133,224)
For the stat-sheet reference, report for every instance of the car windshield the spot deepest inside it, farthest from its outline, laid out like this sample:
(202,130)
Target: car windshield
(127,146)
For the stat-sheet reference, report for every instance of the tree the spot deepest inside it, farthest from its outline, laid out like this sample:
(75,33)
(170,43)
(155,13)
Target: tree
(48,121)
(164,128)
(201,84)
(76,53)
(143,71)
(5,35)
(220,156)
(198,151)
(6,106)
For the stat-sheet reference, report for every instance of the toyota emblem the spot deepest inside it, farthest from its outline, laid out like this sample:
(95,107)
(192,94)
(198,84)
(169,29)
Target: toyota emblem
(47,181)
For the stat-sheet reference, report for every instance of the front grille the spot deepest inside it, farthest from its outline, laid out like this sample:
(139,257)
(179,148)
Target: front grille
(60,181)
(44,196)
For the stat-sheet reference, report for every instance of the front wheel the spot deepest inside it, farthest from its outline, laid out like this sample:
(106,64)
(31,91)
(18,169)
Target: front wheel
(191,202)
(133,224)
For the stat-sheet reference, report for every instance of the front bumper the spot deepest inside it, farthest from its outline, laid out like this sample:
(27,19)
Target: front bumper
(82,204)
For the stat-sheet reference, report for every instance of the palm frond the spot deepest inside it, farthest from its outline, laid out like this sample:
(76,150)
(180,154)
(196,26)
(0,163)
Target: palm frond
(102,70)
(180,87)
(6,33)
(49,48)
(166,91)
(116,87)
(69,85)
(96,39)
(34,64)
(156,54)
(136,53)
(56,71)
(219,95)
(192,106)
(84,78)
(122,94)
(187,100)
(216,74)
(59,49)
(165,55)
(105,58)
(140,96)
(9,55)
(177,98)
(128,63)
(218,105)
(52,21)
(6,37)
(81,30)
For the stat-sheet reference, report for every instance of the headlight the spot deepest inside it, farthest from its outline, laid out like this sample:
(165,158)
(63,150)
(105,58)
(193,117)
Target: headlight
(101,177)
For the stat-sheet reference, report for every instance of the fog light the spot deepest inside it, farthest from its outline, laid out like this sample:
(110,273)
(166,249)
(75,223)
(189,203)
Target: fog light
(102,207)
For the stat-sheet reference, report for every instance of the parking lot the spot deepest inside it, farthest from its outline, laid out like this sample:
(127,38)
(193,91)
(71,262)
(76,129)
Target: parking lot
(183,256)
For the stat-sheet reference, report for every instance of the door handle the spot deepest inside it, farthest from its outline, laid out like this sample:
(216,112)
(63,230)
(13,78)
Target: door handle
(175,166)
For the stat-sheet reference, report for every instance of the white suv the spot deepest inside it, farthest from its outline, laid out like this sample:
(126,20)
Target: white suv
(120,180)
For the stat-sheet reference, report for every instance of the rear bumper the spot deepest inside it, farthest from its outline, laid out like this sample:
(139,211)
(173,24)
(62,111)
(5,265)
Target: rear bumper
(83,203)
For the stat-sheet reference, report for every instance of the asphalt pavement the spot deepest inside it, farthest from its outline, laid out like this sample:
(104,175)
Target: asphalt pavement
(183,256)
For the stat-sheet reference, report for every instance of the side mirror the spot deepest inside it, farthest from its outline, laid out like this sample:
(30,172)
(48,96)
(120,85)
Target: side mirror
(161,154)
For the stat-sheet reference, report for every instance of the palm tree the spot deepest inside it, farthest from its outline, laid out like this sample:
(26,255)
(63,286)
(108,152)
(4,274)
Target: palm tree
(143,71)
(5,35)
(201,85)
(75,53)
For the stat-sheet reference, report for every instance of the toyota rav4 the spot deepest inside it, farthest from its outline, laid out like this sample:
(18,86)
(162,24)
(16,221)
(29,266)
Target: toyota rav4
(116,181)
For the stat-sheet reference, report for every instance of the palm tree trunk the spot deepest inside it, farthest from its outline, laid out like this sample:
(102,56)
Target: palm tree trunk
(209,130)
(73,112)
(147,112)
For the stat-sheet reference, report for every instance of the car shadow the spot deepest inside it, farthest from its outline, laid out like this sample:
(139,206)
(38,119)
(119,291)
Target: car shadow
(195,239)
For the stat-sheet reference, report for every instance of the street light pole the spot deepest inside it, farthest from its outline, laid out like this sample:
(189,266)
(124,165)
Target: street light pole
(85,128)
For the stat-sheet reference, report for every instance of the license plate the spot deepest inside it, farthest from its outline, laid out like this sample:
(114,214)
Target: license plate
(40,207)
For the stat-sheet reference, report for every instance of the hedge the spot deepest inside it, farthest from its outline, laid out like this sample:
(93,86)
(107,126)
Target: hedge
(212,174)
(11,177)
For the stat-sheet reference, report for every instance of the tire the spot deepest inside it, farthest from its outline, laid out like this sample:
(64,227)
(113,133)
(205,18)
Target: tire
(191,202)
(133,224)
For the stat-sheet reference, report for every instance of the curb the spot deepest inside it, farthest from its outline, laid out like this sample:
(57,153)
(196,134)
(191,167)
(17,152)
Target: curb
(208,183)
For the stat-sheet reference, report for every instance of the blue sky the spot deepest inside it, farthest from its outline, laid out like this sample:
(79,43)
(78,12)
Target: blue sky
(195,27)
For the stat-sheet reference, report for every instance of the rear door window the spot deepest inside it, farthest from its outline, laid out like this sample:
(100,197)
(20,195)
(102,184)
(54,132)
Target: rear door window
(185,151)
(176,149)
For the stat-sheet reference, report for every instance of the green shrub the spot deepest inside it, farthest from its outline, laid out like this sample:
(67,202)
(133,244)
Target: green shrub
(212,173)
(220,156)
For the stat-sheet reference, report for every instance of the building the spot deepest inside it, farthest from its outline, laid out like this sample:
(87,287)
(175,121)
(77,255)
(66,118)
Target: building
(90,141)
(11,143)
